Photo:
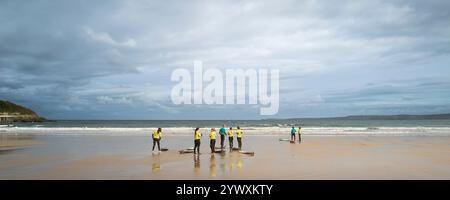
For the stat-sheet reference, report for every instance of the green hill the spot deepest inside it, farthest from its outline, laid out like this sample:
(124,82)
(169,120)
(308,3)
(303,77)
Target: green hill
(11,112)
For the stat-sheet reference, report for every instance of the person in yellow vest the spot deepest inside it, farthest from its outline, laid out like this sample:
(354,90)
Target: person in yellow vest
(197,137)
(156,138)
(230,137)
(239,137)
(212,137)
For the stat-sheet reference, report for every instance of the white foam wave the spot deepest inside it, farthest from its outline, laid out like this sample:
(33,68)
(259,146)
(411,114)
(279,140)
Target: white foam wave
(307,131)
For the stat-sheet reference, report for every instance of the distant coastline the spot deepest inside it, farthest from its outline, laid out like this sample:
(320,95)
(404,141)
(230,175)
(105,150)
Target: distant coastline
(11,112)
(388,117)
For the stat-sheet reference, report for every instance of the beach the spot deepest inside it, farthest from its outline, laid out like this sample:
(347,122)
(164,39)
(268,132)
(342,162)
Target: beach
(129,156)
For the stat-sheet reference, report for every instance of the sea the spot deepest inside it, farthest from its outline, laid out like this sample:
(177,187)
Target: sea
(313,127)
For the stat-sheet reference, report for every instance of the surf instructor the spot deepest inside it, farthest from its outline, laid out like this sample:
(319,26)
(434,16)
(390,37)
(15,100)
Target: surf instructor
(222,133)
(293,131)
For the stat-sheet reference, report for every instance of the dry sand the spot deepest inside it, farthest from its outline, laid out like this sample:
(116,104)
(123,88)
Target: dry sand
(326,157)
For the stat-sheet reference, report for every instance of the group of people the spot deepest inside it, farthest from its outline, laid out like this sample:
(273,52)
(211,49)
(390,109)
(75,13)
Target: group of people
(293,131)
(212,136)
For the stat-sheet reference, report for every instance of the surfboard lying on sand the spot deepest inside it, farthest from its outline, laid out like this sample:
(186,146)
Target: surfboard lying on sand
(252,153)
(164,149)
(235,149)
(216,148)
(186,151)
(219,151)
(287,140)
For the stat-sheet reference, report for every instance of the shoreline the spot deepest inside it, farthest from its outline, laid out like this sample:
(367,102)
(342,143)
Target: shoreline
(273,131)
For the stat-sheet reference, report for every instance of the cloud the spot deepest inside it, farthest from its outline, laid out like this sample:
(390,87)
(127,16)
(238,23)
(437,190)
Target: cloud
(106,38)
(413,96)
(116,100)
(334,59)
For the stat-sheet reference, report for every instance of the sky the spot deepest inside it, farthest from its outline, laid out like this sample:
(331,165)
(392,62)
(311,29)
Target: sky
(93,59)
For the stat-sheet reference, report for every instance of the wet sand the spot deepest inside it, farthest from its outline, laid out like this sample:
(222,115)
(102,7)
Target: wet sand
(13,142)
(317,157)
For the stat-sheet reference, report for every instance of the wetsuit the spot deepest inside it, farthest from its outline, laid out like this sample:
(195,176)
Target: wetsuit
(222,133)
(197,137)
(156,138)
(293,134)
(212,143)
(230,138)
(239,138)
(299,136)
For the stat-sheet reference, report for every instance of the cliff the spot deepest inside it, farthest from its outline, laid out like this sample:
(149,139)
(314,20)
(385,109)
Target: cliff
(10,112)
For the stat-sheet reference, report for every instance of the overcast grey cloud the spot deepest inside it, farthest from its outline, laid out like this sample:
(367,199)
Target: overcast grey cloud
(113,59)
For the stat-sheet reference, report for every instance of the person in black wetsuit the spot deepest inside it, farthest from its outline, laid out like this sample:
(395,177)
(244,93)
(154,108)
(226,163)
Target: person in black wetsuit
(197,137)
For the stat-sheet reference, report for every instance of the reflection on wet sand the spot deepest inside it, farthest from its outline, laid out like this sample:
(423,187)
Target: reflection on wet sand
(12,142)
(156,166)
(227,164)
(234,163)
(212,166)
(196,163)
(239,165)
(239,162)
(222,166)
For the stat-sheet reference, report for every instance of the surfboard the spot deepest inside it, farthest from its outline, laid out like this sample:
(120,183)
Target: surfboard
(286,140)
(164,149)
(186,151)
(252,153)
(219,151)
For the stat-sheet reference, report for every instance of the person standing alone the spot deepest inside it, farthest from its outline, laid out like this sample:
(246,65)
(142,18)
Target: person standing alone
(156,139)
